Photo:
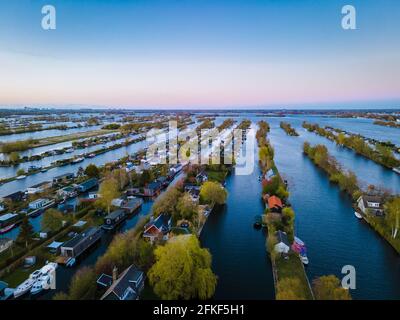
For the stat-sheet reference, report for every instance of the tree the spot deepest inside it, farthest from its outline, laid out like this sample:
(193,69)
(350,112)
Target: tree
(328,288)
(20,172)
(213,193)
(52,220)
(14,157)
(186,208)
(182,270)
(392,209)
(26,232)
(108,191)
(289,289)
(82,287)
(167,202)
(92,171)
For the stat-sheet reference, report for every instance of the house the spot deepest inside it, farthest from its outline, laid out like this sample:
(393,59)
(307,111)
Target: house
(275,204)
(282,245)
(5,243)
(158,228)
(63,178)
(87,185)
(80,243)
(39,203)
(152,189)
(127,286)
(371,204)
(269,175)
(39,188)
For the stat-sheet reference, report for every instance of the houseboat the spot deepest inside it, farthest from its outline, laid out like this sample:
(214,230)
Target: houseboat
(8,221)
(38,206)
(73,248)
(87,185)
(114,219)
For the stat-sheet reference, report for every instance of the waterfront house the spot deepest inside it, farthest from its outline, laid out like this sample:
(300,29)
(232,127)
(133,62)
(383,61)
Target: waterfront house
(39,188)
(81,242)
(63,178)
(67,192)
(269,175)
(153,189)
(127,286)
(282,245)
(7,219)
(158,228)
(87,185)
(39,204)
(202,177)
(275,204)
(5,243)
(371,204)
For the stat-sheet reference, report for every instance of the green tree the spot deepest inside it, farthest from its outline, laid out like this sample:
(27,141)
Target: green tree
(14,157)
(26,232)
(108,191)
(213,193)
(52,220)
(328,288)
(167,202)
(182,270)
(20,172)
(289,289)
(392,209)
(186,208)
(92,171)
(82,287)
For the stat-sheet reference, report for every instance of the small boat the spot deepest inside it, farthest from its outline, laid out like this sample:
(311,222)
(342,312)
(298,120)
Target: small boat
(358,215)
(299,241)
(8,228)
(397,170)
(92,155)
(26,286)
(20,177)
(44,170)
(304,259)
(77,160)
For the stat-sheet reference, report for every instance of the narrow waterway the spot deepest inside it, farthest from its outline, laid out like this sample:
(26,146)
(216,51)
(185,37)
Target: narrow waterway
(325,219)
(239,256)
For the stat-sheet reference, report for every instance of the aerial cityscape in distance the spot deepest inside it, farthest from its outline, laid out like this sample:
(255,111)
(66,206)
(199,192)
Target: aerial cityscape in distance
(213,150)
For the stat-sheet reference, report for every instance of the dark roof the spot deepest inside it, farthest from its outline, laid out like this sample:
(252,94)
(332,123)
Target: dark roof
(130,278)
(77,239)
(161,222)
(63,175)
(282,237)
(89,183)
(17,194)
(105,280)
(132,203)
(115,214)
(372,198)
(154,185)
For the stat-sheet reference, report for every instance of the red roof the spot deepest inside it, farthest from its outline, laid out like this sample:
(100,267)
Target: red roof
(274,202)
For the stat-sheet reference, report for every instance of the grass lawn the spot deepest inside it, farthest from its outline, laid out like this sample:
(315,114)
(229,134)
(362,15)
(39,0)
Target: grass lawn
(218,176)
(293,268)
(18,276)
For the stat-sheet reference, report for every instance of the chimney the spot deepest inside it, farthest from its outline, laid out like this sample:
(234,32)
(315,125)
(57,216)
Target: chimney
(115,274)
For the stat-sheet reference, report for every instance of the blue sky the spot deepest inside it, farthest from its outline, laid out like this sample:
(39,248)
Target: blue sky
(208,54)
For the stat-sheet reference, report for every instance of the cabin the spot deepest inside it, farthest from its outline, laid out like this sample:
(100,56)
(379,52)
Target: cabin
(112,220)
(80,243)
(63,178)
(153,189)
(39,204)
(275,204)
(282,245)
(158,228)
(126,286)
(371,204)
(5,243)
(39,188)
(87,185)
(202,177)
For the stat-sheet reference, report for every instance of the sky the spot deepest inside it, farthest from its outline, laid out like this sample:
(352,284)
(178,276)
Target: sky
(200,54)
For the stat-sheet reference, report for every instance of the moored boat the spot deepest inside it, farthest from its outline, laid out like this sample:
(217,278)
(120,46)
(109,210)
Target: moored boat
(8,228)
(20,177)
(358,215)
(397,170)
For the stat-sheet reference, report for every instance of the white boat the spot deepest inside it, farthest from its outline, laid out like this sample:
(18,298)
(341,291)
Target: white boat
(47,275)
(358,215)
(304,259)
(397,170)
(299,241)
(20,177)
(77,160)
(26,286)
